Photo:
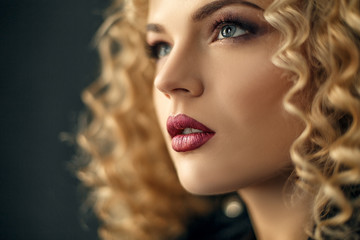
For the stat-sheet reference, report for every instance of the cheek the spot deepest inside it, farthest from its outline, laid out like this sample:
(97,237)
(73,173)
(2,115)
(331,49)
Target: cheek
(250,83)
(250,101)
(161,105)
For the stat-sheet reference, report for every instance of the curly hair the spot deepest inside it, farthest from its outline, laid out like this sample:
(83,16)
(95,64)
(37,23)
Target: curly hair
(321,51)
(135,191)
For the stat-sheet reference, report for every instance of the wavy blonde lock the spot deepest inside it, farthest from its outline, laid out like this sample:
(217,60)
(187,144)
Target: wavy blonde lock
(135,191)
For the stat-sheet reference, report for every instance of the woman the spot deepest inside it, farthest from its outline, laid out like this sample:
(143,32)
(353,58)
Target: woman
(257,97)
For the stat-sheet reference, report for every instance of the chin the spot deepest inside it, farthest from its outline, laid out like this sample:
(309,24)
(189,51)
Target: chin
(206,190)
(202,186)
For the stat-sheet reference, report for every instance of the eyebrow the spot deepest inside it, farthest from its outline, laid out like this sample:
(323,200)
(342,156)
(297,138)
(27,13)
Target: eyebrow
(152,27)
(205,11)
(212,7)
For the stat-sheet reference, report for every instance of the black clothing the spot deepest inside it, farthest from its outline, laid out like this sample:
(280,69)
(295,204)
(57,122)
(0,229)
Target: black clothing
(218,226)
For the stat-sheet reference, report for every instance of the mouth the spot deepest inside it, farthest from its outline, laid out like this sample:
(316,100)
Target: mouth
(186,133)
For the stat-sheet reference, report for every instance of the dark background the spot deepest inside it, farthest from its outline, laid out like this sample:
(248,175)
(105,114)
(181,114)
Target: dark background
(46,59)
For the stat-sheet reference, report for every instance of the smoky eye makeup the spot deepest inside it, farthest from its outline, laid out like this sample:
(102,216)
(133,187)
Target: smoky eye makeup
(158,49)
(246,25)
(232,25)
(231,28)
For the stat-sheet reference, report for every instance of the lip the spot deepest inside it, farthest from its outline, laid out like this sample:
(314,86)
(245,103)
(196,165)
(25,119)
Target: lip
(187,142)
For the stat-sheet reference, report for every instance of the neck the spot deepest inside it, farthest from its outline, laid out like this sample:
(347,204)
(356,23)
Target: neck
(273,214)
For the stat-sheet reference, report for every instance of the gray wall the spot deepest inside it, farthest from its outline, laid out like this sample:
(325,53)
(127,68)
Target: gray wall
(46,59)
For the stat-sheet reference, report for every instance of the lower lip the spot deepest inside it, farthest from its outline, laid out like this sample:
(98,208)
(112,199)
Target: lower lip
(189,142)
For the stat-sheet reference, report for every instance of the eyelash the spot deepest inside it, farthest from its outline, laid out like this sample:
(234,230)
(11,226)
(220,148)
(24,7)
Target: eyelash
(153,49)
(250,28)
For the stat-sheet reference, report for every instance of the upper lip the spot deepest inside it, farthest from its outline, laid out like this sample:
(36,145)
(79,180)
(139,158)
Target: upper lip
(177,124)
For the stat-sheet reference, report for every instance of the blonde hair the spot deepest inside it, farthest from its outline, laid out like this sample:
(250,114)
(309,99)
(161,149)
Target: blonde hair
(321,50)
(135,190)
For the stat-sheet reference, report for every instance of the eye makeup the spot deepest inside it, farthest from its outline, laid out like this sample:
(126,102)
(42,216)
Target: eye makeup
(252,27)
(157,49)
(248,24)
(229,19)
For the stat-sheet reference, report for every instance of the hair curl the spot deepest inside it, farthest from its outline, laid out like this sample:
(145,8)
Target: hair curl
(321,50)
(135,191)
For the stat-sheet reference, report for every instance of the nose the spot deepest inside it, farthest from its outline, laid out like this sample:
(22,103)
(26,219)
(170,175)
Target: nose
(180,74)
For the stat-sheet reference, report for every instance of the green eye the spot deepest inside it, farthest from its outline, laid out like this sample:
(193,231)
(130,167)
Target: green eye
(229,31)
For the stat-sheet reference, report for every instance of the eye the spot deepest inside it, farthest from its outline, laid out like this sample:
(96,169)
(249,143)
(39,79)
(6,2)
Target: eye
(163,49)
(230,31)
(159,50)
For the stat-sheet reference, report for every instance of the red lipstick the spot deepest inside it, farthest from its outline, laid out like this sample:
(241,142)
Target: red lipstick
(186,133)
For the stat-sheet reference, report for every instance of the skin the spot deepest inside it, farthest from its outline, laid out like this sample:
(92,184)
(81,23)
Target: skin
(231,86)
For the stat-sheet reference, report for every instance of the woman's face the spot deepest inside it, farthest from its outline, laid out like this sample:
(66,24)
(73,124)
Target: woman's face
(217,94)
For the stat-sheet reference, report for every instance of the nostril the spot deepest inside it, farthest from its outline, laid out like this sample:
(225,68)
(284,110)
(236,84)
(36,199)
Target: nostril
(194,91)
(181,89)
